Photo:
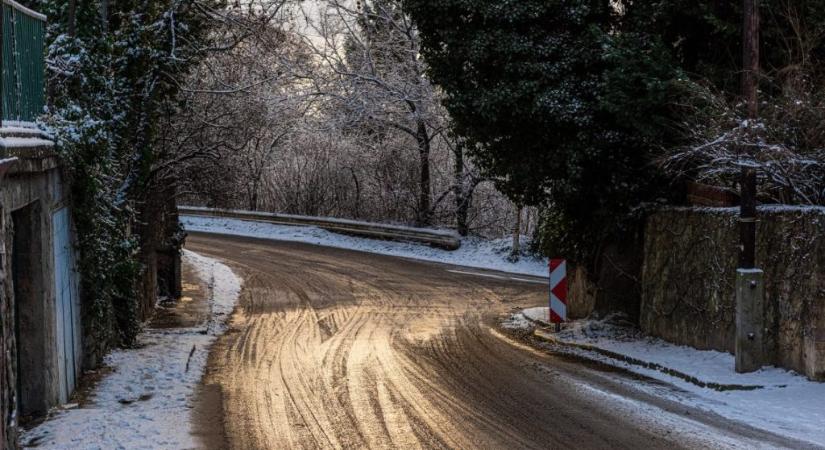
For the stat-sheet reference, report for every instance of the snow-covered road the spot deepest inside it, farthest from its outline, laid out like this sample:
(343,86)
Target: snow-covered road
(474,252)
(333,348)
(406,350)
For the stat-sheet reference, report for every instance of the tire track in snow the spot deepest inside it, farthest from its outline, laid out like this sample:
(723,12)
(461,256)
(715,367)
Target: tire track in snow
(338,349)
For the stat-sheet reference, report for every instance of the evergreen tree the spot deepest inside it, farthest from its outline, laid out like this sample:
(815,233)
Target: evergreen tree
(113,70)
(557,106)
(572,102)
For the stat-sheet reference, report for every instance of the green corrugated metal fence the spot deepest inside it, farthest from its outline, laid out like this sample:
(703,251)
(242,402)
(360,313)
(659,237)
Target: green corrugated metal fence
(24,66)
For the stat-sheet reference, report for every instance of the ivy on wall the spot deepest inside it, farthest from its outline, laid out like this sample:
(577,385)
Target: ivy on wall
(112,69)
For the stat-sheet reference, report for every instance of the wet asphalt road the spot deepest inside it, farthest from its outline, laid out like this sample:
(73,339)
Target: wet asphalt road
(338,349)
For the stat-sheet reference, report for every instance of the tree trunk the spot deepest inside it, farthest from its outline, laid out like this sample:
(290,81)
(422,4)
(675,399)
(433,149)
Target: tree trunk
(424,200)
(253,198)
(71,20)
(750,57)
(516,251)
(104,14)
(461,213)
(357,193)
(462,195)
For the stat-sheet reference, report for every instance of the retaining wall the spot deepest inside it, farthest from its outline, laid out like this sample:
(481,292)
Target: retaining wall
(688,296)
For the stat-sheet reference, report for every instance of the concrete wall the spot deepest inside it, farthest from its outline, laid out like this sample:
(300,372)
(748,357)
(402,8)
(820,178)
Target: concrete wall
(688,297)
(33,189)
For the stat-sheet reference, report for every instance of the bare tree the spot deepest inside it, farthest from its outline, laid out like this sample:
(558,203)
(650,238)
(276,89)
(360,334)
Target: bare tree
(328,112)
(372,69)
(235,109)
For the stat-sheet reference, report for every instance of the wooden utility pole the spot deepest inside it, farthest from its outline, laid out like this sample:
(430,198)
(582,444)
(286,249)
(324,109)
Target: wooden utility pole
(750,288)
(750,92)
(750,57)
(2,90)
(71,18)
(104,14)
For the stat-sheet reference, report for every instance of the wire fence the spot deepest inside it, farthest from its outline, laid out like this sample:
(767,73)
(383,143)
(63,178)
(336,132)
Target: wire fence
(24,66)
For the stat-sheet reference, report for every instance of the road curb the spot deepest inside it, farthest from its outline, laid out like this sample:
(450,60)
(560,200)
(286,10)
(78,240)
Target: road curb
(547,336)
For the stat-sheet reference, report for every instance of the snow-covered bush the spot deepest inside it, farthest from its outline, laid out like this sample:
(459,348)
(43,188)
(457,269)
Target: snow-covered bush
(786,145)
(113,69)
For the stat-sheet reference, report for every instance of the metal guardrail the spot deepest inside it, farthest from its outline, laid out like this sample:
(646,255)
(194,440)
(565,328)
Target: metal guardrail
(24,63)
(437,238)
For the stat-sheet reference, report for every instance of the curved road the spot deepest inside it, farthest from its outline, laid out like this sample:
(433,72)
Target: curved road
(338,349)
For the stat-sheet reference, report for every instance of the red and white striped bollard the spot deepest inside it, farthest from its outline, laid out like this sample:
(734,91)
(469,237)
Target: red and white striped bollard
(558,292)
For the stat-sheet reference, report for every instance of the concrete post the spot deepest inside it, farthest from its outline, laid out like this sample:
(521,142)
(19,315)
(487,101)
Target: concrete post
(750,297)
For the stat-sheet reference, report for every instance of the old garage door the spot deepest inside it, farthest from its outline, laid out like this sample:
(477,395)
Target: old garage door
(67,311)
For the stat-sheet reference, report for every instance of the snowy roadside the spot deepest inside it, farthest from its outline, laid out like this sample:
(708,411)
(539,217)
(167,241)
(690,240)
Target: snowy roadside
(145,402)
(785,403)
(474,252)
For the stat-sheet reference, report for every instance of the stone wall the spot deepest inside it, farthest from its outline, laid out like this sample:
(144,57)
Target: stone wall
(614,284)
(688,297)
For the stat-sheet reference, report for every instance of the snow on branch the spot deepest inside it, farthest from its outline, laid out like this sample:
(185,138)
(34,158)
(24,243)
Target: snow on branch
(783,146)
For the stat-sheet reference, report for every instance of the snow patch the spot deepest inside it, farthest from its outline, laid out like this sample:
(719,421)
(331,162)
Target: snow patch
(474,252)
(788,404)
(253,215)
(734,210)
(24,142)
(18,124)
(145,402)
(516,322)
(539,314)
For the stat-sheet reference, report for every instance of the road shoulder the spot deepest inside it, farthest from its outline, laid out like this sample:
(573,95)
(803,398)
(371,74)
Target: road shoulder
(757,399)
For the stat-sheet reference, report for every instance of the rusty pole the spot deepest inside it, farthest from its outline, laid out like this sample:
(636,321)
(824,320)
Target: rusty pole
(750,87)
